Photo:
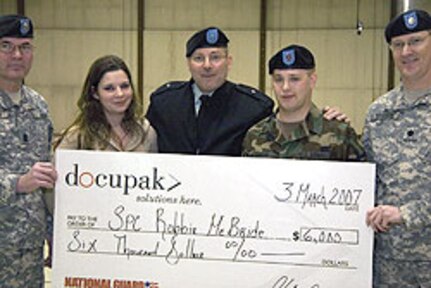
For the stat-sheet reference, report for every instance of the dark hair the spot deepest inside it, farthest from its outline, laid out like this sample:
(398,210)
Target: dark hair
(91,120)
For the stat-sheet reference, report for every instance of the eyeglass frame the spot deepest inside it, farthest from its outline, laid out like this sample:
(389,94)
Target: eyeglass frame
(214,58)
(8,47)
(413,42)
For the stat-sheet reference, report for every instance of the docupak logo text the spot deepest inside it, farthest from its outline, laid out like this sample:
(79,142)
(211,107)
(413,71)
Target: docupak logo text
(125,182)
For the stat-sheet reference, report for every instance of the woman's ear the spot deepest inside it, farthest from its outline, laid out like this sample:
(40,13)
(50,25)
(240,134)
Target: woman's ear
(95,96)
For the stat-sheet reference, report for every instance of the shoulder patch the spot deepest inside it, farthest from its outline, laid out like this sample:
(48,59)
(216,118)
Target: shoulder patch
(170,86)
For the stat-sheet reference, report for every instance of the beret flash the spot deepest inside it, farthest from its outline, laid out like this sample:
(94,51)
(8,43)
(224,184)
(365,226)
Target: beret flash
(209,37)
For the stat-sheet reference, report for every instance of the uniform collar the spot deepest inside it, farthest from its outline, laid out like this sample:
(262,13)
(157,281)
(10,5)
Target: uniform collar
(5,100)
(7,103)
(423,97)
(313,124)
(197,95)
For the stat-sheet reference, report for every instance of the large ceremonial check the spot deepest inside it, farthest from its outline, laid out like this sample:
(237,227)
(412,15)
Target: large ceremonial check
(160,220)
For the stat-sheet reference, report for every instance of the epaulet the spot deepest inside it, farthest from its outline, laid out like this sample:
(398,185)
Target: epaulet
(253,92)
(170,86)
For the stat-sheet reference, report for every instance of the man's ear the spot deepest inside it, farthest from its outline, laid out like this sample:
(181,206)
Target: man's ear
(313,78)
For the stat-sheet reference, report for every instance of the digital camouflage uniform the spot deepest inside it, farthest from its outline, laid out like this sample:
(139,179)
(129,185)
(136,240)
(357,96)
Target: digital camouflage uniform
(25,135)
(317,139)
(397,137)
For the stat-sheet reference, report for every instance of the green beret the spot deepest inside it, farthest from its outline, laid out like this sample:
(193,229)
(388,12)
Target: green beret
(292,57)
(408,22)
(206,38)
(16,26)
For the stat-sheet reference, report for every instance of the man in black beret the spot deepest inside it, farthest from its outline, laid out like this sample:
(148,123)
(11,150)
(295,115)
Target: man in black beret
(207,114)
(25,136)
(397,137)
(298,128)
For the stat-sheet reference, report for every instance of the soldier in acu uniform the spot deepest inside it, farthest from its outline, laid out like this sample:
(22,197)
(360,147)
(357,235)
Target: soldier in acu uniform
(397,137)
(216,122)
(298,128)
(25,135)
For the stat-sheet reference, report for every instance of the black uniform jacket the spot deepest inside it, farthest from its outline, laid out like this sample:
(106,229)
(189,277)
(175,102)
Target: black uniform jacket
(229,113)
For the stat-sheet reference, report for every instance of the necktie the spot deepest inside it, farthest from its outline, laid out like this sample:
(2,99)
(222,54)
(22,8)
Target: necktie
(204,104)
(201,127)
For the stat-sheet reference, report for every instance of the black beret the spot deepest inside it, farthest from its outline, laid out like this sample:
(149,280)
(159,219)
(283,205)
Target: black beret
(408,22)
(16,26)
(292,57)
(209,37)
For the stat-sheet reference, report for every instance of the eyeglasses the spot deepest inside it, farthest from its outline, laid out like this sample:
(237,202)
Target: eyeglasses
(8,47)
(213,58)
(414,42)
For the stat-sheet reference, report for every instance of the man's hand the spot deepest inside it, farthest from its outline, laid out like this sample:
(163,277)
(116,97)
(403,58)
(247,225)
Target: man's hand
(331,113)
(41,175)
(48,259)
(380,218)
